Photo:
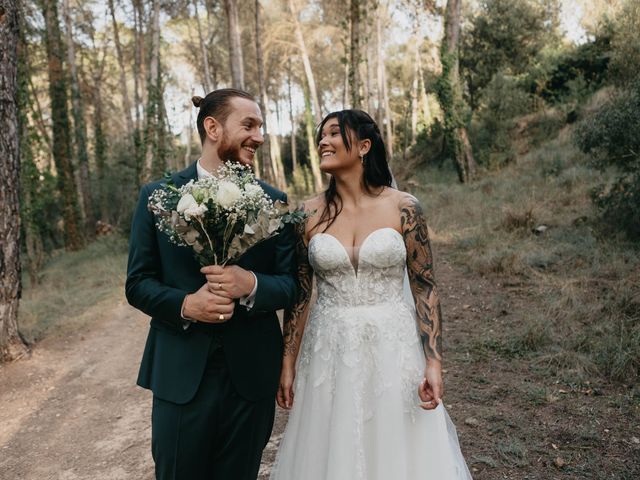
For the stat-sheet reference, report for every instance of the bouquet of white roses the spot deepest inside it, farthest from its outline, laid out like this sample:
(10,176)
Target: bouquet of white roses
(220,217)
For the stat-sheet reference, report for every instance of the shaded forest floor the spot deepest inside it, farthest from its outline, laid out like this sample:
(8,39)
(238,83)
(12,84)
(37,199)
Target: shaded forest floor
(72,411)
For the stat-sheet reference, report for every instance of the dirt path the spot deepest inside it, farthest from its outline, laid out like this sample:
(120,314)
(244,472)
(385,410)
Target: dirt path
(72,410)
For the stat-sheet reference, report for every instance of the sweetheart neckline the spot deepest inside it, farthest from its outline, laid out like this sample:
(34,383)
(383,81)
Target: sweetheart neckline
(355,268)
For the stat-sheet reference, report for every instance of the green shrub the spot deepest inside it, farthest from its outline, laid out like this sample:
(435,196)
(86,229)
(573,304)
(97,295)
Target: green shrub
(502,101)
(610,137)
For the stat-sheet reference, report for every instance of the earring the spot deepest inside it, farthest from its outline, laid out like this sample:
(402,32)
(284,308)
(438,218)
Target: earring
(362,159)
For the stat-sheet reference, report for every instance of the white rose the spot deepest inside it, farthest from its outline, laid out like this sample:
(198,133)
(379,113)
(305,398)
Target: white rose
(195,211)
(186,201)
(253,190)
(228,194)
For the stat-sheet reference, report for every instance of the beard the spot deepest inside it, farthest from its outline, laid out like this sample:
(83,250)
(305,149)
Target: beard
(228,152)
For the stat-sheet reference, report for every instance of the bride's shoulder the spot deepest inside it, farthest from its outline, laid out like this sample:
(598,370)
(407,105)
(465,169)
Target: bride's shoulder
(314,203)
(405,200)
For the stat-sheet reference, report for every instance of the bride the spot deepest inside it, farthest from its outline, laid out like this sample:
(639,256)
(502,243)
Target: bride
(365,393)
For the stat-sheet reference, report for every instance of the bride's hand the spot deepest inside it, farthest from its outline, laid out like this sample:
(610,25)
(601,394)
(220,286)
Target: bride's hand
(431,389)
(285,390)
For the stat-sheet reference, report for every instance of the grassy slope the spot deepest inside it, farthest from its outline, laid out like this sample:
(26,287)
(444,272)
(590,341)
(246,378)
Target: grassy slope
(72,284)
(544,330)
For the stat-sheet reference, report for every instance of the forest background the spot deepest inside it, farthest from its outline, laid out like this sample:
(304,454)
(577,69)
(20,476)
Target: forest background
(514,121)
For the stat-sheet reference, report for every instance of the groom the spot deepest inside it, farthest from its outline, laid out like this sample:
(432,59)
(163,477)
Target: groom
(214,348)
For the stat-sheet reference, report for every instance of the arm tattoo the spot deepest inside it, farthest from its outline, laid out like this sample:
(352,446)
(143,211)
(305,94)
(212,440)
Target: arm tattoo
(294,319)
(421,278)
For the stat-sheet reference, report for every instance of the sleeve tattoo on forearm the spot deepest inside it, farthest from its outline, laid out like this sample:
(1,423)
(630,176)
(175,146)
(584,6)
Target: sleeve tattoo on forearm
(293,323)
(421,278)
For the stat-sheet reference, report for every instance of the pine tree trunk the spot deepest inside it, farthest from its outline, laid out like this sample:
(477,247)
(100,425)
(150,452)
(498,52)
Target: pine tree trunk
(311,82)
(60,119)
(314,160)
(354,55)
(11,345)
(79,127)
(275,155)
(36,111)
(384,120)
(235,45)
(294,153)
(29,173)
(139,67)
(155,118)
(100,151)
(372,84)
(268,171)
(415,84)
(208,81)
(138,86)
(450,95)
(126,103)
(187,155)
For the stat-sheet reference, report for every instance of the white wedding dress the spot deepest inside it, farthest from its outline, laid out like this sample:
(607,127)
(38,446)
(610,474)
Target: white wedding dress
(355,414)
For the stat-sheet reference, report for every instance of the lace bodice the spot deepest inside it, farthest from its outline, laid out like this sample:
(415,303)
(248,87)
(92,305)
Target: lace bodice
(355,415)
(376,278)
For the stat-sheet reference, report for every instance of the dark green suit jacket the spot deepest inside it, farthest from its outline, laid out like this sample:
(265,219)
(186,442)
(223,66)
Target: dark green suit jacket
(160,274)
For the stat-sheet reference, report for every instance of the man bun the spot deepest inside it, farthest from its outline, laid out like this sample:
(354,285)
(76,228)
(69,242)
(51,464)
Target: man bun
(196,101)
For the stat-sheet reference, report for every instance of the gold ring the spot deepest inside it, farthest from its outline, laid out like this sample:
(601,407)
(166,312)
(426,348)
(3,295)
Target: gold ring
(219,286)
(221,317)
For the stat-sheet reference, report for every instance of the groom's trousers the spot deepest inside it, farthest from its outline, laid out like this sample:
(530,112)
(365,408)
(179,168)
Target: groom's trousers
(218,435)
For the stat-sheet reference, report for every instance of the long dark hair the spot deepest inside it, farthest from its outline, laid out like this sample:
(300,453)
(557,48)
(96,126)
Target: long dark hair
(376,167)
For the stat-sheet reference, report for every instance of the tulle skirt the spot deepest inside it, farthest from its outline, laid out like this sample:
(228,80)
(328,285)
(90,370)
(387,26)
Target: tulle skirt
(355,414)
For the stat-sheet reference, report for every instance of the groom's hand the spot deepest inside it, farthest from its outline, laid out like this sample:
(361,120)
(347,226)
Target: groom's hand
(208,307)
(229,281)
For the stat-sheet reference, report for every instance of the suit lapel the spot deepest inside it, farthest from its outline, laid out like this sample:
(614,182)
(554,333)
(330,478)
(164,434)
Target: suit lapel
(184,176)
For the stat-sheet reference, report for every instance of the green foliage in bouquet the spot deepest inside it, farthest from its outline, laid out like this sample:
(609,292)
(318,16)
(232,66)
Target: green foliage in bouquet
(220,217)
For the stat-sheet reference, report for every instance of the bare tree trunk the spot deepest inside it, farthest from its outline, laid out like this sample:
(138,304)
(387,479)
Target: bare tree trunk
(268,171)
(275,155)
(294,153)
(345,91)
(11,345)
(422,93)
(354,55)
(79,127)
(138,65)
(154,136)
(414,95)
(126,103)
(208,81)
(235,44)
(372,84)
(100,140)
(60,119)
(144,17)
(139,89)
(36,110)
(450,95)
(311,82)
(314,160)
(385,117)
(29,172)
(187,155)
